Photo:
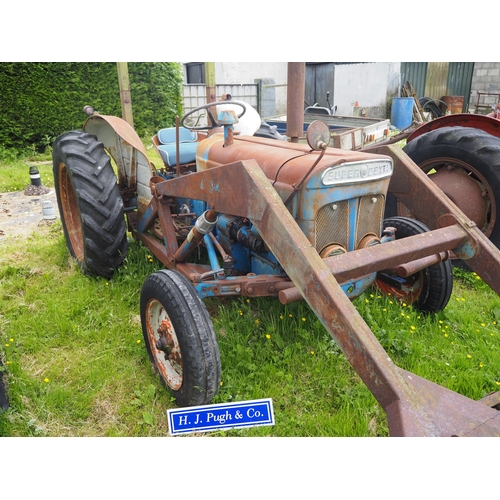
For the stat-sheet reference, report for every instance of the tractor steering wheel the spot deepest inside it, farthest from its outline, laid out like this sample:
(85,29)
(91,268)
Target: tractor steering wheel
(213,122)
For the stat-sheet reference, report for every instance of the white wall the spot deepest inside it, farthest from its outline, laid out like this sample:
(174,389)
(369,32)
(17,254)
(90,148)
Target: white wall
(248,72)
(369,84)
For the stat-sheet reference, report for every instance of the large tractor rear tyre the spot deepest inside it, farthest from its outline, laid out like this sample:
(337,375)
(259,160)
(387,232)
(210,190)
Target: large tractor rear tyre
(90,204)
(465,163)
(180,338)
(428,290)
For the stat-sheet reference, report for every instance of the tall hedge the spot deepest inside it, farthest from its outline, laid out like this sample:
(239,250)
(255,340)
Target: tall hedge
(39,101)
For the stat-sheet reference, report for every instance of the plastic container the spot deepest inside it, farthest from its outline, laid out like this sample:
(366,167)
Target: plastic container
(402,112)
(48,211)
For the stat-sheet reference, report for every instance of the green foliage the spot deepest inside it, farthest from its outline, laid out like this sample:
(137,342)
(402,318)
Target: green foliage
(42,100)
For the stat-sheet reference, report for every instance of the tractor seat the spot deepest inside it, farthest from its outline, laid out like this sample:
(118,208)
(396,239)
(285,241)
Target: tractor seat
(165,144)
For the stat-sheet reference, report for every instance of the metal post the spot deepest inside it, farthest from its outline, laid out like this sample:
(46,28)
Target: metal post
(295,100)
(125,97)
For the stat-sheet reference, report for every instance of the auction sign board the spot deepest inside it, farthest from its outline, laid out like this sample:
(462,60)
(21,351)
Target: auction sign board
(221,416)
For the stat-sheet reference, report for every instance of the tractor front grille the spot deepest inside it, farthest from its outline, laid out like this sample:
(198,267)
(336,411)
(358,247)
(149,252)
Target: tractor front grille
(332,225)
(332,221)
(369,219)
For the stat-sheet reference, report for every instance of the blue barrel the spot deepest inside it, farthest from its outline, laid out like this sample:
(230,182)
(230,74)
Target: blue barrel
(402,112)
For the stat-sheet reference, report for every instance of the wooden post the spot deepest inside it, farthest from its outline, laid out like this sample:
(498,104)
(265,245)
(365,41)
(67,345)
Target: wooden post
(210,81)
(125,97)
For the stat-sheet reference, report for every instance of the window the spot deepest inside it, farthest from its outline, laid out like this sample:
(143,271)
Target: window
(195,72)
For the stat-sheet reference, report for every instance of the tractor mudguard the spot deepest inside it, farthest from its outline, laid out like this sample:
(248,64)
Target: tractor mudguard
(481,122)
(127,150)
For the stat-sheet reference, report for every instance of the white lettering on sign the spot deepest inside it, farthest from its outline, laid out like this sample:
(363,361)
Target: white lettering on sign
(357,172)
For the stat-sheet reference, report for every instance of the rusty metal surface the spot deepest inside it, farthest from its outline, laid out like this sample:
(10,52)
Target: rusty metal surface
(482,122)
(125,147)
(295,100)
(413,188)
(414,406)
(461,189)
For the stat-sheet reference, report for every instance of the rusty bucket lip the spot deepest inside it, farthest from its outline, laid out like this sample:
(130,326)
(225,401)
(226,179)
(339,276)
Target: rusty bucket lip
(440,412)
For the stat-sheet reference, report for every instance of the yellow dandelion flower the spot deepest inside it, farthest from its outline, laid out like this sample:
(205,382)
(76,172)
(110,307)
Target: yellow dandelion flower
(107,284)
(12,340)
(221,383)
(390,301)
(248,301)
(281,316)
(366,301)
(290,315)
(462,299)
(46,379)
(469,356)
(303,319)
(371,295)
(389,294)
(138,341)
(481,365)
(403,314)
(8,362)
(268,336)
(440,322)
(241,313)
(312,352)
(257,321)
(412,327)
(446,335)
(404,304)
(7,345)
(384,309)
(482,324)
(498,383)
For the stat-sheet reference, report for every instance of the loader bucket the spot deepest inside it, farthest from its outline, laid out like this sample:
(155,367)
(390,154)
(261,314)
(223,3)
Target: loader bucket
(414,406)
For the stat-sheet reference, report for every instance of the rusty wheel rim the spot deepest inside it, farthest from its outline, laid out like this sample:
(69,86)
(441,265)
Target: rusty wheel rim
(164,344)
(71,213)
(437,164)
(409,292)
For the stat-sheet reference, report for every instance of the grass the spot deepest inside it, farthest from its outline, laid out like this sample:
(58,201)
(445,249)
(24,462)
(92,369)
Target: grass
(76,364)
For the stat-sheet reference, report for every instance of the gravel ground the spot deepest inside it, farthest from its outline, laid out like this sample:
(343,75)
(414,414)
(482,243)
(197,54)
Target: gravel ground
(21,212)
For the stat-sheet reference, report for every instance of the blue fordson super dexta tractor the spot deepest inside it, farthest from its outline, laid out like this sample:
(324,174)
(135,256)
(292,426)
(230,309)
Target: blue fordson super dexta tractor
(295,221)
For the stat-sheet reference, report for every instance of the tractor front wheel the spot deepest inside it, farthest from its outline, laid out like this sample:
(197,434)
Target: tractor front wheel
(180,338)
(90,204)
(428,290)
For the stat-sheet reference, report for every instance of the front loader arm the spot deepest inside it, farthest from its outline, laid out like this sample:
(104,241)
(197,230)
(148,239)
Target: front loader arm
(414,406)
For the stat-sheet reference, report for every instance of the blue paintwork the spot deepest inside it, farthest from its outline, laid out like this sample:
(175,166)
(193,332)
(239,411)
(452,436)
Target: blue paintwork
(212,255)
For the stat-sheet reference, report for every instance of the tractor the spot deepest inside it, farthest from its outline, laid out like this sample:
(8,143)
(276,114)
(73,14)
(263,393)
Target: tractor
(233,213)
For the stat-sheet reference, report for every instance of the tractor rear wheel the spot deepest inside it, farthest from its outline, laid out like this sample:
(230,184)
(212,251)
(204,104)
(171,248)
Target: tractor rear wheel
(465,164)
(90,204)
(428,290)
(180,338)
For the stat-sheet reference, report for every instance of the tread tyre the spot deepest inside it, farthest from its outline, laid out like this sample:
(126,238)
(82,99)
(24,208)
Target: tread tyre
(474,150)
(90,204)
(180,338)
(428,290)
